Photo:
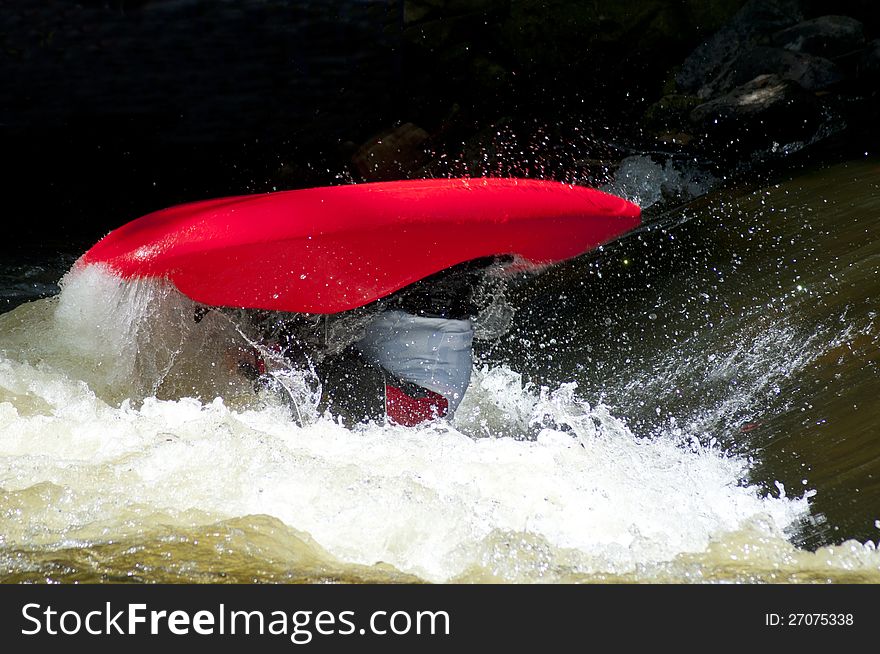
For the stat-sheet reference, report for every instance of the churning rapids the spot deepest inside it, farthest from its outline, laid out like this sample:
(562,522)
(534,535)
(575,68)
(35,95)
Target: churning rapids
(695,403)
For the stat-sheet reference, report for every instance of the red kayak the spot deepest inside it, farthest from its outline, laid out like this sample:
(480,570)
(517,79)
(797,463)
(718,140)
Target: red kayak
(331,249)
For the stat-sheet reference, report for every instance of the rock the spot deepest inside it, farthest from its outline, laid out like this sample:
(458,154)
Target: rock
(392,154)
(768,109)
(826,36)
(755,97)
(811,72)
(756,19)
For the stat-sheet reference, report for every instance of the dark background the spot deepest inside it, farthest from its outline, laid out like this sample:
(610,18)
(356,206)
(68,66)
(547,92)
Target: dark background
(113,108)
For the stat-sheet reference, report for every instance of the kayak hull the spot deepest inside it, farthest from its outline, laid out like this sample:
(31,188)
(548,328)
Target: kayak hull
(332,249)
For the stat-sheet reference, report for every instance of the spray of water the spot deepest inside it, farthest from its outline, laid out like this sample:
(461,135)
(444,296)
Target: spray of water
(529,484)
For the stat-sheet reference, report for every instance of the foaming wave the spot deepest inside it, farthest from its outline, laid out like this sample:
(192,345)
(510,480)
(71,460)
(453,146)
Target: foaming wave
(562,489)
(100,444)
(127,339)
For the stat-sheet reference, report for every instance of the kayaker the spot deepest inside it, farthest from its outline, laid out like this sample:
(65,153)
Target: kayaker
(406,358)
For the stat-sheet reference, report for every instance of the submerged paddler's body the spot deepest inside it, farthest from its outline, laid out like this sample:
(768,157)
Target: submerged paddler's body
(406,358)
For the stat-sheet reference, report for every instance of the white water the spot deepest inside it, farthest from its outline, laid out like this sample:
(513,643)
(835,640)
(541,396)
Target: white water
(642,180)
(527,485)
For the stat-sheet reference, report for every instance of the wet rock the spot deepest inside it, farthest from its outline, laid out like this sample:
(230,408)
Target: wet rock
(826,36)
(393,154)
(766,110)
(811,72)
(757,18)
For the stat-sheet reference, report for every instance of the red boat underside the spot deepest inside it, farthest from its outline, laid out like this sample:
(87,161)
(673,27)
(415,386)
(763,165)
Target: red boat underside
(325,250)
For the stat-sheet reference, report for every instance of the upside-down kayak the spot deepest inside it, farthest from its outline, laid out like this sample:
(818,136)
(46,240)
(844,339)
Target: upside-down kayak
(331,249)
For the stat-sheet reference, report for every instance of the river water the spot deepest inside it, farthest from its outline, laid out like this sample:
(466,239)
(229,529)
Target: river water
(694,403)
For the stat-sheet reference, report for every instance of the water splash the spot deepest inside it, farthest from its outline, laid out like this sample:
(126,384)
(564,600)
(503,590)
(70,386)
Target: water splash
(437,502)
(528,484)
(642,180)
